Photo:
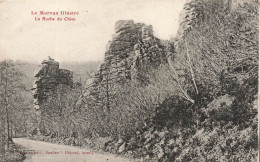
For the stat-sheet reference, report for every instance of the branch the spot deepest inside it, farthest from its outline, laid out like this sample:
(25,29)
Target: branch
(177,82)
(191,70)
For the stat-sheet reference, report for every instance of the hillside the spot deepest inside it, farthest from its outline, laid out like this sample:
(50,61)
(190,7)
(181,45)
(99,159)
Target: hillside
(190,98)
(193,98)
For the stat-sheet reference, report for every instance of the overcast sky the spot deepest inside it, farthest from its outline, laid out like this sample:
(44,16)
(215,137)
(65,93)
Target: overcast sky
(23,38)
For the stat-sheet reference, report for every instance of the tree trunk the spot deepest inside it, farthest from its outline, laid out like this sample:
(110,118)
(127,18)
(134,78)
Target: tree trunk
(15,130)
(8,125)
(6,107)
(2,138)
(191,69)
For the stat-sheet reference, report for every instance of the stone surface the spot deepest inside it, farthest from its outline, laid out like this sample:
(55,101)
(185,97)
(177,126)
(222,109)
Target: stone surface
(132,52)
(47,79)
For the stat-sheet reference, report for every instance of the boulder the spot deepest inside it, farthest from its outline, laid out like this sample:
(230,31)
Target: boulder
(121,148)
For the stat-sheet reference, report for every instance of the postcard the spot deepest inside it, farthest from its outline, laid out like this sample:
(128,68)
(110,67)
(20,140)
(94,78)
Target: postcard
(129,80)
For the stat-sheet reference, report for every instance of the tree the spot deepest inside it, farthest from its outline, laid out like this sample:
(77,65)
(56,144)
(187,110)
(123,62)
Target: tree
(59,112)
(10,84)
(219,41)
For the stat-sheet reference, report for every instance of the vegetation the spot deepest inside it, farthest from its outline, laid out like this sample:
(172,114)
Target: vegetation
(12,107)
(200,105)
(190,105)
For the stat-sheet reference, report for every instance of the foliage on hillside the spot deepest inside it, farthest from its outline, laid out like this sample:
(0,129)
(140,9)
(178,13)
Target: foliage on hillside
(200,105)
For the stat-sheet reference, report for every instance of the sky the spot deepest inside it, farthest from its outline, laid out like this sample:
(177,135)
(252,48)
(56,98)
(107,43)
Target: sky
(23,38)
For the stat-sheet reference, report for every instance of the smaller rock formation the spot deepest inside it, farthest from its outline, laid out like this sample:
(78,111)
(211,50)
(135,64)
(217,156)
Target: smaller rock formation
(47,79)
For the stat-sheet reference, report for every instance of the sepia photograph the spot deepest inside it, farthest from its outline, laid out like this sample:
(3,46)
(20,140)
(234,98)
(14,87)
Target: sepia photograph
(129,80)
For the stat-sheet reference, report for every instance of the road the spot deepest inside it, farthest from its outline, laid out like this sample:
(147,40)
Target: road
(38,151)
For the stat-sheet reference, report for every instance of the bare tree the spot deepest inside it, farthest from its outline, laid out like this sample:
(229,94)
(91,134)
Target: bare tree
(9,89)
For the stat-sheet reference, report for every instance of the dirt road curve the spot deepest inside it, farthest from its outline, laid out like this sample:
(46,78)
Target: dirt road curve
(46,152)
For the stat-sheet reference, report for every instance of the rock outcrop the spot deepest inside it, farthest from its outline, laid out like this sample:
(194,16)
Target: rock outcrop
(131,53)
(47,79)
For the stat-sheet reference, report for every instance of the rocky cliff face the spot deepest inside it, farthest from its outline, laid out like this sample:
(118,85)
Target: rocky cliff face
(47,79)
(131,53)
